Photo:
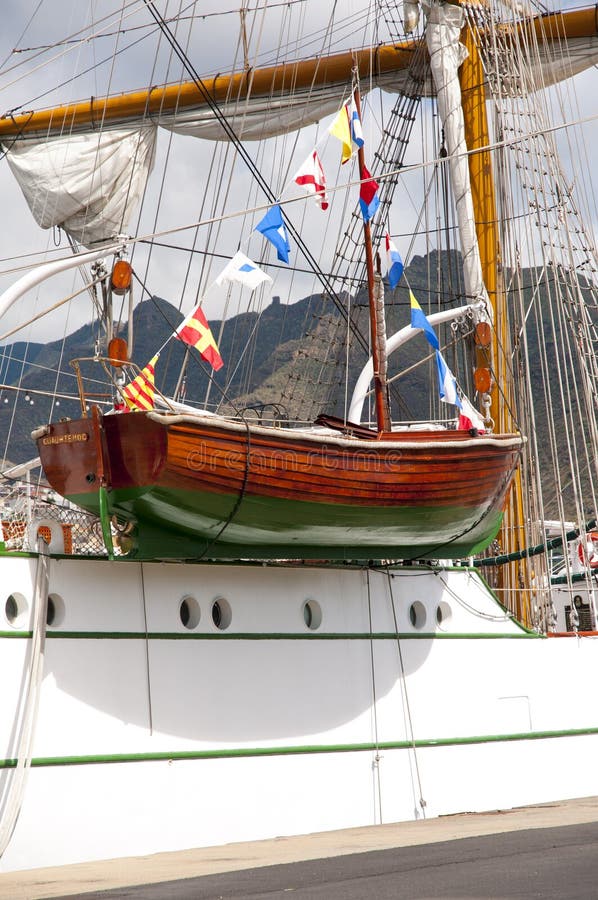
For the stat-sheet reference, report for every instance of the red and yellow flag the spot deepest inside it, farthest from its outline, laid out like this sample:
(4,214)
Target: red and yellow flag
(195,331)
(139,394)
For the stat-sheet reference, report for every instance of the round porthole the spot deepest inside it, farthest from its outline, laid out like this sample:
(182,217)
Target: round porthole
(443,613)
(56,610)
(15,610)
(189,612)
(222,613)
(312,614)
(417,614)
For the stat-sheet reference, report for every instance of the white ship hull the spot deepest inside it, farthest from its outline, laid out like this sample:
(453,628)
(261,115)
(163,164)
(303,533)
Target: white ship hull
(153,736)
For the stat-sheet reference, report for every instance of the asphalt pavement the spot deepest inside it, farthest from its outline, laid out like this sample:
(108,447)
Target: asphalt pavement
(547,851)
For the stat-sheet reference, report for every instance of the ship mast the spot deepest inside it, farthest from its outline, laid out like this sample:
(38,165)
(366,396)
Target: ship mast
(491,358)
(376,308)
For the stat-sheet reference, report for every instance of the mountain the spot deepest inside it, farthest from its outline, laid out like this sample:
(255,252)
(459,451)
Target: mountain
(251,344)
(287,362)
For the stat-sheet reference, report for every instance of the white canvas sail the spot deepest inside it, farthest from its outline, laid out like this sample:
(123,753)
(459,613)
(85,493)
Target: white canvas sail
(88,184)
(446,55)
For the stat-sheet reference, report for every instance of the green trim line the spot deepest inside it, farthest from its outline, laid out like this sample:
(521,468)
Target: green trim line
(297,750)
(270,636)
(105,521)
(551,544)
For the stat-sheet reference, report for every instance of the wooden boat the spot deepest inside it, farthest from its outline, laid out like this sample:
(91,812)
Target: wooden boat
(206,487)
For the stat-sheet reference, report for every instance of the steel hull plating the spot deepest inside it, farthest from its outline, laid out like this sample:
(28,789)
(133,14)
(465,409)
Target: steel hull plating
(406,686)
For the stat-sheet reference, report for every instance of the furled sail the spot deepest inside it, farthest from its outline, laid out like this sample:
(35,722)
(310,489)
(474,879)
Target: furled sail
(84,166)
(446,55)
(88,184)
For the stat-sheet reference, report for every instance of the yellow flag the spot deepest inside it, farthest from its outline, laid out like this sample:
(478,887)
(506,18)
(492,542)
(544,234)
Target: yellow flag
(341,129)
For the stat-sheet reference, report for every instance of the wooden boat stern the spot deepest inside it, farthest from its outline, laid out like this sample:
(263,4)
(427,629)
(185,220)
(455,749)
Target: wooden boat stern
(74,454)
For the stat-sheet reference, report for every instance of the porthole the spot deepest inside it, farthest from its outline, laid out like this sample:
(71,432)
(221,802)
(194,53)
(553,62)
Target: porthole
(443,613)
(55,611)
(312,614)
(15,610)
(417,614)
(222,613)
(189,612)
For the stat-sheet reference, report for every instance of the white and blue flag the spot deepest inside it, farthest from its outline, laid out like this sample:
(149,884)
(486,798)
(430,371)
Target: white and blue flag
(447,385)
(242,269)
(395,263)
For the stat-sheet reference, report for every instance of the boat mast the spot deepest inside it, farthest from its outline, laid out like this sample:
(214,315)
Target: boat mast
(376,307)
(477,136)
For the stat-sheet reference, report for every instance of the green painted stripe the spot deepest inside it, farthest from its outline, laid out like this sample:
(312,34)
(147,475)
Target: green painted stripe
(271,636)
(335,565)
(105,521)
(298,750)
(174,523)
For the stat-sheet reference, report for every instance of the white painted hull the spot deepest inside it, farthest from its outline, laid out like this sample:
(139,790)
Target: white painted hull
(196,737)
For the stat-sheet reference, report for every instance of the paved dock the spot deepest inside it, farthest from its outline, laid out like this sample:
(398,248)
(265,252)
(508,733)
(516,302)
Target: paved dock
(547,851)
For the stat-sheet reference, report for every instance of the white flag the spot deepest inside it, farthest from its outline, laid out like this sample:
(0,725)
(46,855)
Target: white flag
(242,269)
(447,385)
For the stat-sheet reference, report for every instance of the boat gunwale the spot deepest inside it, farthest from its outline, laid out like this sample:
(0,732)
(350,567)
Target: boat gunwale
(449,438)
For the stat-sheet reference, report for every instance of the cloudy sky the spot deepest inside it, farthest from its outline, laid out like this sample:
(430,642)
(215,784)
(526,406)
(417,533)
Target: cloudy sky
(55,51)
(68,47)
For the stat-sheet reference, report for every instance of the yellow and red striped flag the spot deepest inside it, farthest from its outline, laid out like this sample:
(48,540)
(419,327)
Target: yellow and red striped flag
(195,331)
(139,394)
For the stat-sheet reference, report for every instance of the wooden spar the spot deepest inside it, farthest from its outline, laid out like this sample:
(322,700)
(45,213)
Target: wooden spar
(267,82)
(306,75)
(380,387)
(477,137)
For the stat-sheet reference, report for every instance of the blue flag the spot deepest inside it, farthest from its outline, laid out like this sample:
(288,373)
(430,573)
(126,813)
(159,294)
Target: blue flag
(273,229)
(447,385)
(395,263)
(420,320)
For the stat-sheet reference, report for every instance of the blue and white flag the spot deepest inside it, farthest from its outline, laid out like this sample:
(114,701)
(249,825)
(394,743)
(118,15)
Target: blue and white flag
(395,263)
(273,229)
(420,320)
(242,269)
(447,385)
(355,124)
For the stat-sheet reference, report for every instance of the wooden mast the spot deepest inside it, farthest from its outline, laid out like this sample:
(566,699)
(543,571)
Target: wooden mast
(377,333)
(477,137)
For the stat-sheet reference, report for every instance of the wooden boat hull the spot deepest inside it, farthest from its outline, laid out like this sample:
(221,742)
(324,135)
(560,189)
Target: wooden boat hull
(206,487)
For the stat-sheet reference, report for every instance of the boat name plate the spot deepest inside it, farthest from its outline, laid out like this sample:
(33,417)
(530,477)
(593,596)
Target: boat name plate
(75,437)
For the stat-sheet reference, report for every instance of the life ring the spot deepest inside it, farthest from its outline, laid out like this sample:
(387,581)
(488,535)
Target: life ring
(56,544)
(587,550)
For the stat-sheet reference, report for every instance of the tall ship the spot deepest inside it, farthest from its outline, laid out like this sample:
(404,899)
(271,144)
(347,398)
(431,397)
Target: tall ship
(298,378)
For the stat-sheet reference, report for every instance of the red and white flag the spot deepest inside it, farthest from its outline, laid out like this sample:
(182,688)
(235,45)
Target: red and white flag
(311,177)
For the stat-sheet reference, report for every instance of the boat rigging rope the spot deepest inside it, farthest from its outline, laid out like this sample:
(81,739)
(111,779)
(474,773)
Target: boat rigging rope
(377,757)
(240,496)
(247,159)
(407,707)
(147,654)
(26,718)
